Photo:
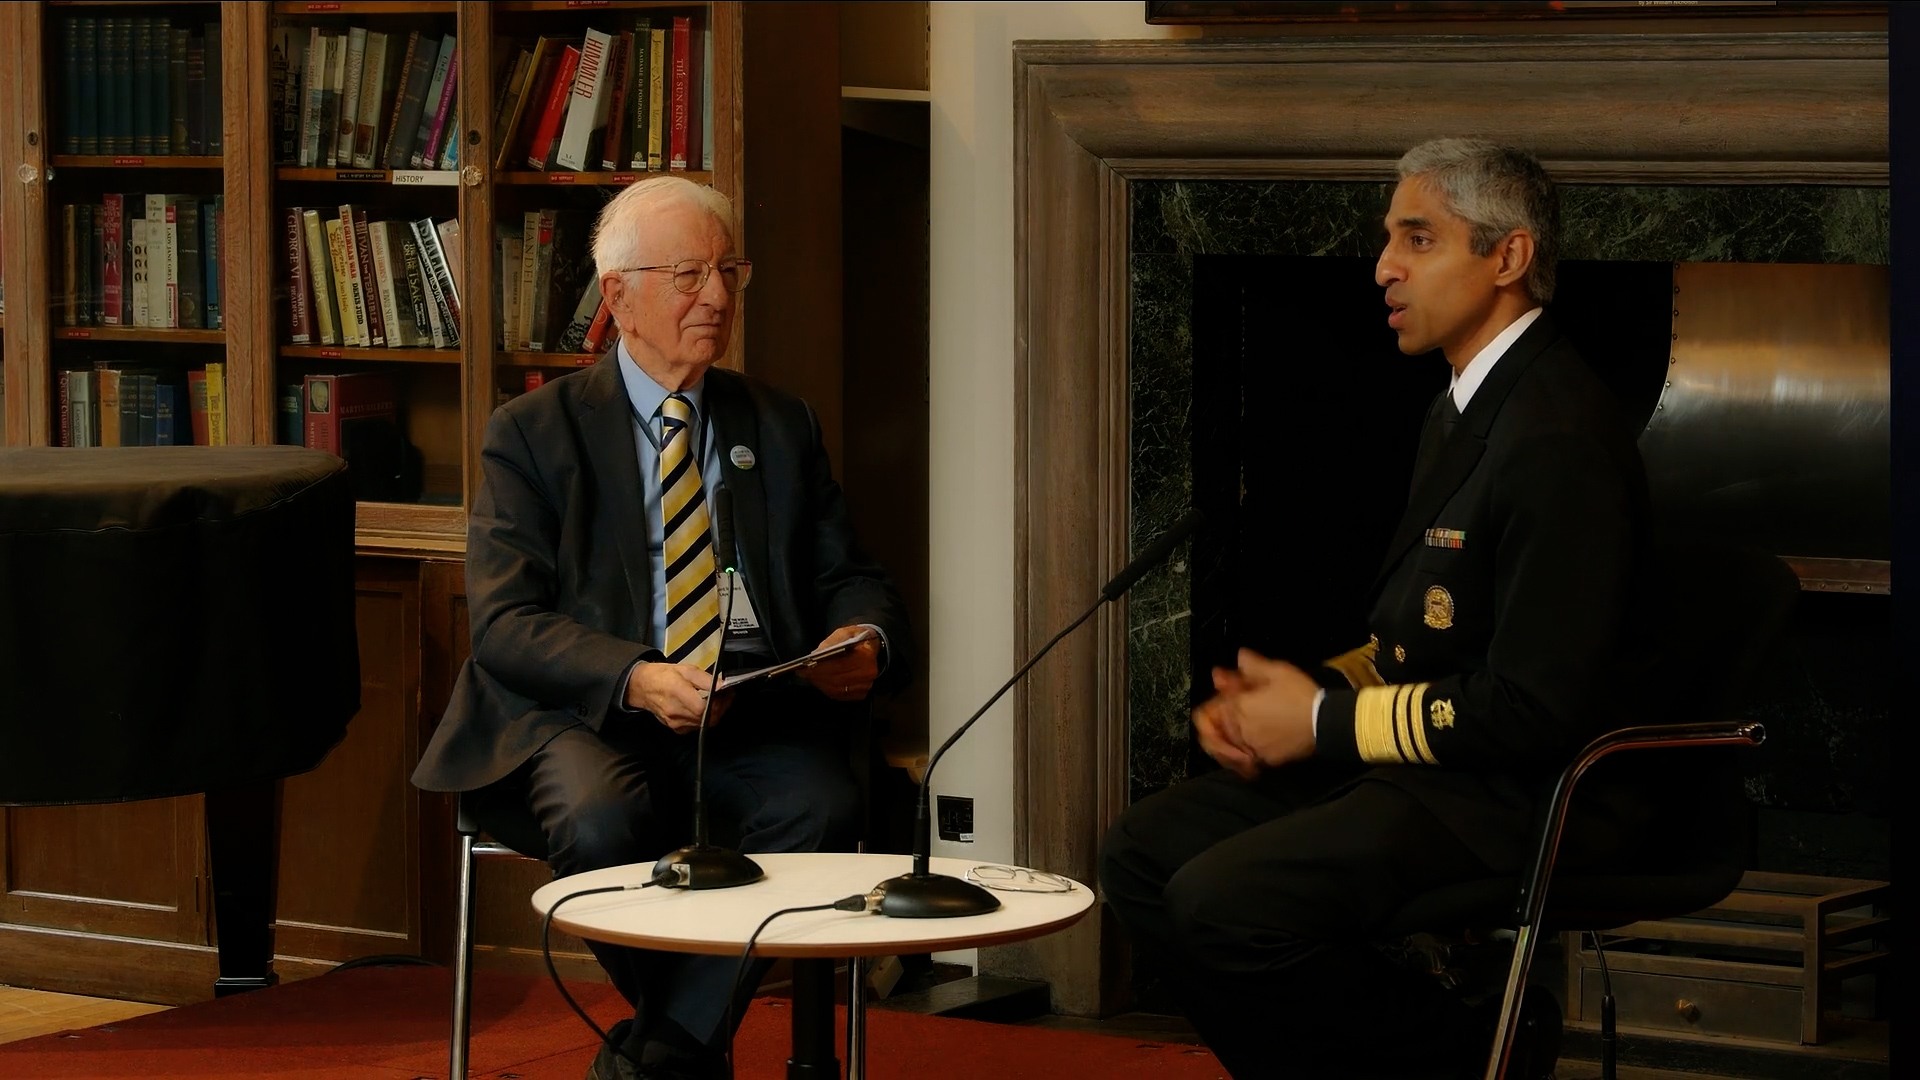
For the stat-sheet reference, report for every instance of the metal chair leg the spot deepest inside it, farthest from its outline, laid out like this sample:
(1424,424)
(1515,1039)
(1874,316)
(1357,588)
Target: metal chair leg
(856,1019)
(462,967)
(1510,1005)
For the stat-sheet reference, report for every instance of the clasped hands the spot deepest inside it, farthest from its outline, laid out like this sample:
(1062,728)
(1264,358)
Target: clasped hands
(676,693)
(1260,717)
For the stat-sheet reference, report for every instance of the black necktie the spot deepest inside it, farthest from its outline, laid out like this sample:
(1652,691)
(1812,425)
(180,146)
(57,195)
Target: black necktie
(1441,419)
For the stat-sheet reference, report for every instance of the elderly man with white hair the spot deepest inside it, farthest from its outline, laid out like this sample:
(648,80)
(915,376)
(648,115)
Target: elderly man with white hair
(596,618)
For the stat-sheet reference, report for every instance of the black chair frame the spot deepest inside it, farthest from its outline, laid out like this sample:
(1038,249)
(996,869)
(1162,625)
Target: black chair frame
(1529,910)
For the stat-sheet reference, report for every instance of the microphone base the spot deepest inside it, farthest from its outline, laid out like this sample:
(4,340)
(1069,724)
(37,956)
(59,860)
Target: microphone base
(933,896)
(703,866)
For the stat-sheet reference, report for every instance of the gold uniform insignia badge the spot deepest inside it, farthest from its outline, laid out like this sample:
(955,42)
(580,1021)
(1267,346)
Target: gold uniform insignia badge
(1439,608)
(1441,714)
(1400,653)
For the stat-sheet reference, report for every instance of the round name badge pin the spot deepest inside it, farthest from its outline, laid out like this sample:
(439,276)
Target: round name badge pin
(741,457)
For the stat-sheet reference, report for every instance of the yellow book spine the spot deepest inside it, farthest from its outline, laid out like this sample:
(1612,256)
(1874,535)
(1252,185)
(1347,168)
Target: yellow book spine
(217,404)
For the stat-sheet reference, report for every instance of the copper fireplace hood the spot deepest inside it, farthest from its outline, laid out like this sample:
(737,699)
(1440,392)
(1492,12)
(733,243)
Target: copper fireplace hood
(1772,429)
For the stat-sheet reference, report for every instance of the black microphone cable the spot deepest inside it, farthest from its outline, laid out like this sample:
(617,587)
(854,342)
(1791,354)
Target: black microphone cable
(856,902)
(546,952)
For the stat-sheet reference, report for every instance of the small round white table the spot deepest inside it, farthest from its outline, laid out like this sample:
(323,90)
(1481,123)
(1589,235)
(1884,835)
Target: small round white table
(718,921)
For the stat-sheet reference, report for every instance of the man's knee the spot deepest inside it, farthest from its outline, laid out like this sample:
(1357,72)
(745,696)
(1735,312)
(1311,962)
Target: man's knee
(821,816)
(604,829)
(1222,924)
(1127,869)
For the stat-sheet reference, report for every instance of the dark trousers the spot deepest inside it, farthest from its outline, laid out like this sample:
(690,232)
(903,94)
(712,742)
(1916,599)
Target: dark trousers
(777,779)
(1257,903)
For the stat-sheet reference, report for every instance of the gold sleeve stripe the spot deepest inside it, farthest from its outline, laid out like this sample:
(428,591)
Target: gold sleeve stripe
(1409,714)
(1357,665)
(1386,725)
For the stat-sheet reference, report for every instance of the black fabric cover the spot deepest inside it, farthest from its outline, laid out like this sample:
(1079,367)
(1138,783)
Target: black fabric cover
(172,619)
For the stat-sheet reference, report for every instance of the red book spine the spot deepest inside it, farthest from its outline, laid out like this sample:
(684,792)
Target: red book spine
(534,380)
(681,96)
(299,285)
(321,427)
(113,242)
(597,330)
(543,136)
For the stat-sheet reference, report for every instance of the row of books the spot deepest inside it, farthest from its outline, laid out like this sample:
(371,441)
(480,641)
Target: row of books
(355,417)
(363,99)
(549,297)
(115,405)
(143,260)
(636,99)
(138,85)
(361,282)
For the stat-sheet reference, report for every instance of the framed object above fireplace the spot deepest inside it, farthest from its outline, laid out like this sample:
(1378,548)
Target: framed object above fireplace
(1228,12)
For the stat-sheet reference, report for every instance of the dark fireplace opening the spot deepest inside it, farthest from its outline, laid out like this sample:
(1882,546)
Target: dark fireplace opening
(1305,419)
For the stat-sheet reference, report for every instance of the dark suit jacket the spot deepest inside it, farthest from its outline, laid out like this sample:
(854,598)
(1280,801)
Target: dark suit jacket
(1505,615)
(559,587)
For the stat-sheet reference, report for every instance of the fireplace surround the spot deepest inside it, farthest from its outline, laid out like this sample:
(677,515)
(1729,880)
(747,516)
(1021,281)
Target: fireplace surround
(1100,126)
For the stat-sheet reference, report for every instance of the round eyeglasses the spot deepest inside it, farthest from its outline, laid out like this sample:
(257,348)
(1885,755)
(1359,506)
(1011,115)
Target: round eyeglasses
(690,275)
(1018,879)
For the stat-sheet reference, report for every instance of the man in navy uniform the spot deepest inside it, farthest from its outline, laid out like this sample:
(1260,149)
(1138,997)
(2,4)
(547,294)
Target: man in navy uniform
(1500,642)
(591,559)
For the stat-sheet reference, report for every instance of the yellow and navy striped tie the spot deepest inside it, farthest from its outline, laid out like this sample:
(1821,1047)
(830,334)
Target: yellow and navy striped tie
(693,600)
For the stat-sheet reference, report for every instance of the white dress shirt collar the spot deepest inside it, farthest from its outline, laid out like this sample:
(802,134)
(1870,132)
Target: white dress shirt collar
(1469,378)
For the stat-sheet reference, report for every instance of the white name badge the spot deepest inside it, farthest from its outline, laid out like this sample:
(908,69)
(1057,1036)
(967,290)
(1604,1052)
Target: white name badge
(741,620)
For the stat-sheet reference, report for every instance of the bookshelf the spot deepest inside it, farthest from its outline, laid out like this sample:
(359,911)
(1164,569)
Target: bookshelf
(364,856)
(62,156)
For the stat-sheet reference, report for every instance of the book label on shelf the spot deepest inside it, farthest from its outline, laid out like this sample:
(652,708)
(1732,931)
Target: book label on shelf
(375,175)
(330,5)
(623,178)
(129,161)
(561,178)
(76,333)
(332,354)
(425,178)
(586,3)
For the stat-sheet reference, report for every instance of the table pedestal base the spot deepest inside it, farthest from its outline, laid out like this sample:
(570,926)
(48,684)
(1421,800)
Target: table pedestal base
(813,1057)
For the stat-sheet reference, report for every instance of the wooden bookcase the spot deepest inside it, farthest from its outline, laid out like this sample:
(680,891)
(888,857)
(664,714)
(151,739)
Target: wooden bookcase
(446,394)
(112,899)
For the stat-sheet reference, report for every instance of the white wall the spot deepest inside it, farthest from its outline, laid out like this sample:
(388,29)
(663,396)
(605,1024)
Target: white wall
(970,645)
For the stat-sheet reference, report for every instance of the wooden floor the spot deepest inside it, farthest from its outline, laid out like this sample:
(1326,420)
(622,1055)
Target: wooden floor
(26,1013)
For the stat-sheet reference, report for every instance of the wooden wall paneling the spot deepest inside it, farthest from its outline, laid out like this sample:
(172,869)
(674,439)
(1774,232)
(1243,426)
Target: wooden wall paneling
(130,869)
(792,80)
(729,152)
(247,301)
(1730,108)
(28,341)
(477,314)
(349,830)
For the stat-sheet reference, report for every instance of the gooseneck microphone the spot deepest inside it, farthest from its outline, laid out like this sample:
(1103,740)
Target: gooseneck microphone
(701,865)
(922,894)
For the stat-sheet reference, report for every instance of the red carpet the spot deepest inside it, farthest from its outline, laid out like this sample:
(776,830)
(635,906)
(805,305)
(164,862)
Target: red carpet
(391,1024)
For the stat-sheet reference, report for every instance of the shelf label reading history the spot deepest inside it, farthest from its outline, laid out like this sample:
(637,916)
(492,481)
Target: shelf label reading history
(425,178)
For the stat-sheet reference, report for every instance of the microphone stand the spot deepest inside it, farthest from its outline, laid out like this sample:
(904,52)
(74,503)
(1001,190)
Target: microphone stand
(701,865)
(923,894)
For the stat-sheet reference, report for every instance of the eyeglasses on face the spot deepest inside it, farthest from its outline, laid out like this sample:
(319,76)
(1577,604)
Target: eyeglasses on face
(690,275)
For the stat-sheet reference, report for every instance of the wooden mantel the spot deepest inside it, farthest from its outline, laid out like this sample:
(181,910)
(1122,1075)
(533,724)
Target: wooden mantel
(1091,117)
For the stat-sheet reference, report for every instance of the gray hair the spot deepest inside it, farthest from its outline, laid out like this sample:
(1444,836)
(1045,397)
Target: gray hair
(1496,190)
(623,221)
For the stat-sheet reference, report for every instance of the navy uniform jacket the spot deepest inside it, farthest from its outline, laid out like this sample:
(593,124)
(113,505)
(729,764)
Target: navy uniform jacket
(1505,615)
(559,586)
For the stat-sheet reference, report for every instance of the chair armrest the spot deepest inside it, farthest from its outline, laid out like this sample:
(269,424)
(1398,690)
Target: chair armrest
(1532,899)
